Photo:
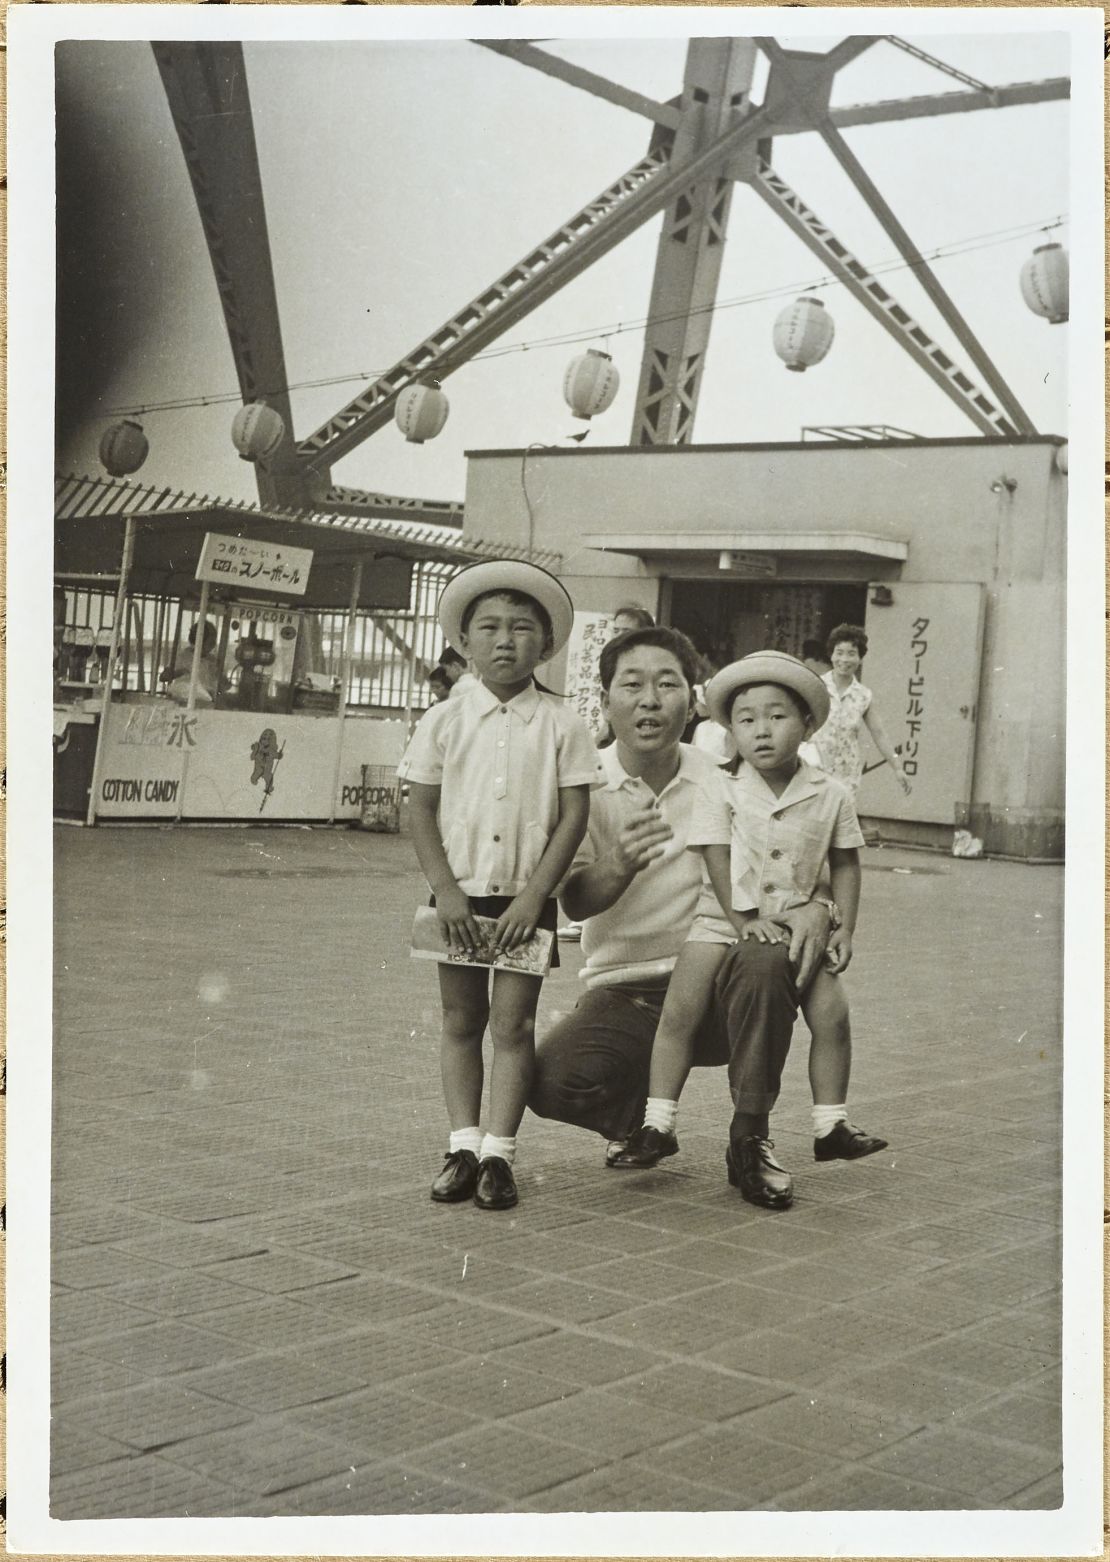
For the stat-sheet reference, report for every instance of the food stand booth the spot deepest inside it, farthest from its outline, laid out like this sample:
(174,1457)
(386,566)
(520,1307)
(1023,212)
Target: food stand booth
(243,722)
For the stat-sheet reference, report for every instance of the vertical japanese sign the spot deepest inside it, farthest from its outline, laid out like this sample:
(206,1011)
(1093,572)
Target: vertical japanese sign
(923,669)
(583,683)
(915,696)
(261,566)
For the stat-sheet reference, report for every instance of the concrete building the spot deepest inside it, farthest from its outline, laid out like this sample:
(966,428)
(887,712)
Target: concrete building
(951,553)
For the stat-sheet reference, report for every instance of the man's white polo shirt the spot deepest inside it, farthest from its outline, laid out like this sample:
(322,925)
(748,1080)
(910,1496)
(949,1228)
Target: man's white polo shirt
(639,937)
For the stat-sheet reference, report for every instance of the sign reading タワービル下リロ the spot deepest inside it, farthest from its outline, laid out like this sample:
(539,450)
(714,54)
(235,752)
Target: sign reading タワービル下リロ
(258,566)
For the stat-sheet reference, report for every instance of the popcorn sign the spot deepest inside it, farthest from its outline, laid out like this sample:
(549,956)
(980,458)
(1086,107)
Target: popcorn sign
(259,566)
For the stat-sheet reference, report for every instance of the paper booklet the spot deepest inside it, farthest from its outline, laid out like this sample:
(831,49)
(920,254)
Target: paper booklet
(533,957)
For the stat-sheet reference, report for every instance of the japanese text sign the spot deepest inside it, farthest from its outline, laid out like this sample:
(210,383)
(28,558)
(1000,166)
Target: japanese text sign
(260,566)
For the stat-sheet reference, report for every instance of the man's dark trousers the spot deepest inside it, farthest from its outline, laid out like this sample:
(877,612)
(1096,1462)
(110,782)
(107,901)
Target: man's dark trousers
(592,1067)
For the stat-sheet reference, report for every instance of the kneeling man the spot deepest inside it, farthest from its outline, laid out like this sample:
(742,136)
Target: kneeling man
(635,886)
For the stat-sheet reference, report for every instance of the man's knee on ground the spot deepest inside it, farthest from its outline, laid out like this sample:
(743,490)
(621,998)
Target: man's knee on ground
(559,1085)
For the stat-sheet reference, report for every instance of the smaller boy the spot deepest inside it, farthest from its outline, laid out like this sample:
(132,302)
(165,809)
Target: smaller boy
(765,832)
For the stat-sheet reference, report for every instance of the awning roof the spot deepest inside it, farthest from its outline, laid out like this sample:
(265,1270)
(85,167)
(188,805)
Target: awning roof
(89,515)
(831,544)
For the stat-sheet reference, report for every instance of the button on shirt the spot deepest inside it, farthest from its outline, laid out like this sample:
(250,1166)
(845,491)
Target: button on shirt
(499,766)
(778,845)
(639,937)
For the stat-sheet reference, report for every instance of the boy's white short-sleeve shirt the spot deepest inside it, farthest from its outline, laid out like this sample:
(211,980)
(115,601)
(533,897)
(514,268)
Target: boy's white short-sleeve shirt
(778,845)
(499,766)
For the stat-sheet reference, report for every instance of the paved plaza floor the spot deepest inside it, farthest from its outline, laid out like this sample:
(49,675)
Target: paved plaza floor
(256,1309)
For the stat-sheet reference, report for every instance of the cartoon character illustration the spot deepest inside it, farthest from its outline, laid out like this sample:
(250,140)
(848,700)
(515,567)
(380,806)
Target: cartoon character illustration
(266,755)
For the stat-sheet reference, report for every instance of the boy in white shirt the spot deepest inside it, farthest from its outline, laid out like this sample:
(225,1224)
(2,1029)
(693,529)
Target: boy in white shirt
(765,830)
(499,782)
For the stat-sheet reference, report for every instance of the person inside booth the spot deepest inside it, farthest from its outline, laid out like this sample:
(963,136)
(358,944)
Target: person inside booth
(177,675)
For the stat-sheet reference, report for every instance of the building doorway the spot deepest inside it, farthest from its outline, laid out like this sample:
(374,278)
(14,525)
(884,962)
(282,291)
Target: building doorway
(727,619)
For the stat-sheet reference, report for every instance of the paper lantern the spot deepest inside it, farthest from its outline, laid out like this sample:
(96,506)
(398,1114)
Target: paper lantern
(420,412)
(590,383)
(257,431)
(803,334)
(1044,282)
(123,448)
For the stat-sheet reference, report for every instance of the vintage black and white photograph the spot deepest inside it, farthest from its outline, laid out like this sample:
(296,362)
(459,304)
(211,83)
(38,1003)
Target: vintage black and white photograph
(551,1018)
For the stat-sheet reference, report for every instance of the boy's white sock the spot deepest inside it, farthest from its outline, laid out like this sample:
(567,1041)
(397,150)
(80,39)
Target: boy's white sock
(492,1145)
(825,1119)
(465,1139)
(661,1114)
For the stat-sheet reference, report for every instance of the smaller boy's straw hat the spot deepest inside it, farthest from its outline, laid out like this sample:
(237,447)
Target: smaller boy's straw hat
(505,575)
(767,667)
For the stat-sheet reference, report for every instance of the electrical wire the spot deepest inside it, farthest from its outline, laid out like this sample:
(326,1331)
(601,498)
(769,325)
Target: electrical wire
(990,240)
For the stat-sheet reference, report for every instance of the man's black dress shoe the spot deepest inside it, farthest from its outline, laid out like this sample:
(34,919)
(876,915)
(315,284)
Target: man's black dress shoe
(761,1180)
(456,1181)
(646,1147)
(845,1143)
(496,1188)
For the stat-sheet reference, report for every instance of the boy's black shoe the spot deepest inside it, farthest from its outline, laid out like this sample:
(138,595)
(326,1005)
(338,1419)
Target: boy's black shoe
(496,1188)
(646,1147)
(457,1179)
(761,1180)
(846,1143)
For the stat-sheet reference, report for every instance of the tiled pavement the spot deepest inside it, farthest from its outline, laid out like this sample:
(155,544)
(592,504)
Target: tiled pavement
(257,1310)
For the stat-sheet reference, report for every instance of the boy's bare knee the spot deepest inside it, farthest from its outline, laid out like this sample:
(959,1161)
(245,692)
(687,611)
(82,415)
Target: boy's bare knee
(510,1034)
(463,1024)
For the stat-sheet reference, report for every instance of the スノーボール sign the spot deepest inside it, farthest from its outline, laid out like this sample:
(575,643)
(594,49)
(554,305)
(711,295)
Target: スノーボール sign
(259,566)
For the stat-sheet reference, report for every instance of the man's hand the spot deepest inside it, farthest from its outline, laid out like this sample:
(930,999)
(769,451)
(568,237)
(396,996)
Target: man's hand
(809,934)
(517,923)
(643,836)
(456,921)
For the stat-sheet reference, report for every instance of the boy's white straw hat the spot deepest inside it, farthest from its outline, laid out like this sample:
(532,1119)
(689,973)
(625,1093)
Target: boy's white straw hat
(505,575)
(767,667)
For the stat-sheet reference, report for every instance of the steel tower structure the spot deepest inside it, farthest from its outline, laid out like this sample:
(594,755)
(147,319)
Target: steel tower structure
(703,142)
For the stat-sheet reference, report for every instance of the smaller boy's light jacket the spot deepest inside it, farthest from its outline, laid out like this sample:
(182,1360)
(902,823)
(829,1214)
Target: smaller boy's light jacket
(778,845)
(499,767)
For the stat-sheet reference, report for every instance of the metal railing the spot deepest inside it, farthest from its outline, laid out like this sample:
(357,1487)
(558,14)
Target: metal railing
(391,652)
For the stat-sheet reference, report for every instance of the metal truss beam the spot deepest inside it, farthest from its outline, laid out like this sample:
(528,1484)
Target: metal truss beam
(932,105)
(926,276)
(393,507)
(589,81)
(895,320)
(206,87)
(716,89)
(931,59)
(608,219)
(793,82)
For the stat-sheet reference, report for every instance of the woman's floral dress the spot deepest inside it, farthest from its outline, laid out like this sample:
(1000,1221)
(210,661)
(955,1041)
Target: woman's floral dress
(838,741)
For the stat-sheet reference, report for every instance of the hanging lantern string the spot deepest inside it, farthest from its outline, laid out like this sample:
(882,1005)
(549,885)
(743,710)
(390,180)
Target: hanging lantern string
(990,240)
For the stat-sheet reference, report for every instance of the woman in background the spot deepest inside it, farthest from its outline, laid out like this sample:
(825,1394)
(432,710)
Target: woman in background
(850,708)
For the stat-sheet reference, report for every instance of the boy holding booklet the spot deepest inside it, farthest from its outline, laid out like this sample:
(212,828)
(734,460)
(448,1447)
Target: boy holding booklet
(499,782)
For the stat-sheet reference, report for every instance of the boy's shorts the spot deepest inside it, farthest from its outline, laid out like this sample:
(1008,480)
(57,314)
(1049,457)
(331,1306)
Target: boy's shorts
(709,926)
(494,905)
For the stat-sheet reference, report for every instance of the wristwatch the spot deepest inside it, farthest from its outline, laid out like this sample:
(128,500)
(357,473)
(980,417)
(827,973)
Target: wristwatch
(835,918)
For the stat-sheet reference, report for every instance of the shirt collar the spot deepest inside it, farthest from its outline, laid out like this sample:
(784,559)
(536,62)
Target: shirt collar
(803,783)
(616,775)
(525,704)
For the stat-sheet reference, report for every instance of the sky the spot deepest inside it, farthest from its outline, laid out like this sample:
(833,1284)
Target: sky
(401,178)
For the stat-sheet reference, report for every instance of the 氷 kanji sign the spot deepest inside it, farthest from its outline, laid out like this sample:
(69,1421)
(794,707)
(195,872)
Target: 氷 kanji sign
(258,566)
